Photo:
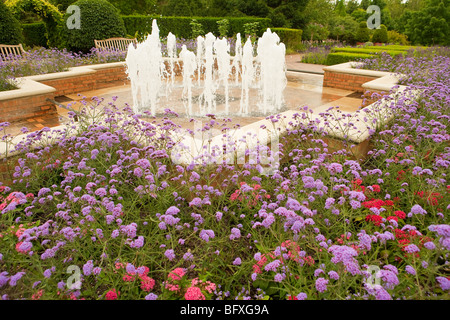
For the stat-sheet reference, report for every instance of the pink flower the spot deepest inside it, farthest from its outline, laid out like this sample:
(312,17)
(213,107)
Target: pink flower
(147,283)
(112,294)
(176,274)
(194,293)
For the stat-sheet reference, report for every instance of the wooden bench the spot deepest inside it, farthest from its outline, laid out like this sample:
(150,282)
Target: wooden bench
(11,52)
(116,44)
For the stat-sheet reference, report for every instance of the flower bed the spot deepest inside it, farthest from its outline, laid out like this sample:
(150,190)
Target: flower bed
(108,205)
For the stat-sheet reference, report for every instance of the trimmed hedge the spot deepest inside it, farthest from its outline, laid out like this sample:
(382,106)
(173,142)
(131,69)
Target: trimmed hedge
(180,26)
(34,34)
(292,38)
(370,50)
(341,57)
(10,29)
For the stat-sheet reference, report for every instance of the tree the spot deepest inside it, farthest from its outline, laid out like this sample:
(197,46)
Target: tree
(351,6)
(10,29)
(132,6)
(430,25)
(340,8)
(360,15)
(349,25)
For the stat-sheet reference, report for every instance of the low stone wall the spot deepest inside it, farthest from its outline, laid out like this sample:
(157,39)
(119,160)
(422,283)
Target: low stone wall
(345,81)
(31,99)
(346,76)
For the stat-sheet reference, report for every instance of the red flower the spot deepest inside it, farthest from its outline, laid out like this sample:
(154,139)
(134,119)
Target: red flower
(400,214)
(112,294)
(392,218)
(376,188)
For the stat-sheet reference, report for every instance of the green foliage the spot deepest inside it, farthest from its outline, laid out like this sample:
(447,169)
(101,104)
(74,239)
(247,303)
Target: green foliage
(34,34)
(223,26)
(10,29)
(392,51)
(62,4)
(360,15)
(181,26)
(430,25)
(316,31)
(343,28)
(182,8)
(197,29)
(363,34)
(50,15)
(126,7)
(397,38)
(380,35)
(250,29)
(99,20)
(341,57)
(292,38)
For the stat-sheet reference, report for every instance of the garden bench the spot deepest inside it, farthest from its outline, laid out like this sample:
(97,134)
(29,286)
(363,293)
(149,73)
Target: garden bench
(118,44)
(11,52)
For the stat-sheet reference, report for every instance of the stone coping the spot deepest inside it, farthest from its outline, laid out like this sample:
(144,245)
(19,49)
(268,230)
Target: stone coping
(31,85)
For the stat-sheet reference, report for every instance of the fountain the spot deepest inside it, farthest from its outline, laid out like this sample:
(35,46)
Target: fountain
(212,81)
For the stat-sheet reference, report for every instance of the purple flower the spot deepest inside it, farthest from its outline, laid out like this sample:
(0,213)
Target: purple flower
(410,270)
(206,235)
(321,284)
(237,261)
(292,204)
(411,248)
(130,268)
(333,275)
(235,233)
(195,202)
(417,209)
(170,254)
(151,296)
(219,215)
(429,245)
(48,273)
(87,268)
(13,280)
(302,296)
(97,271)
(188,256)
(272,266)
(444,283)
(172,210)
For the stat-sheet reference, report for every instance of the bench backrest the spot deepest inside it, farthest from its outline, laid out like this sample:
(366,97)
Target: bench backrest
(119,44)
(11,52)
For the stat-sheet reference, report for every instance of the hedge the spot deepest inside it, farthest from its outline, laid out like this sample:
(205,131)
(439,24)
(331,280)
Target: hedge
(370,51)
(34,34)
(292,38)
(180,26)
(341,57)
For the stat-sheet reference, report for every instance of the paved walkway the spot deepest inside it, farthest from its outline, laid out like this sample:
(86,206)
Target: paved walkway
(293,63)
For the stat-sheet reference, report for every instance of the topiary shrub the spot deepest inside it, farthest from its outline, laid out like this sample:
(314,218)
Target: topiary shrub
(10,29)
(362,35)
(99,20)
(380,35)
